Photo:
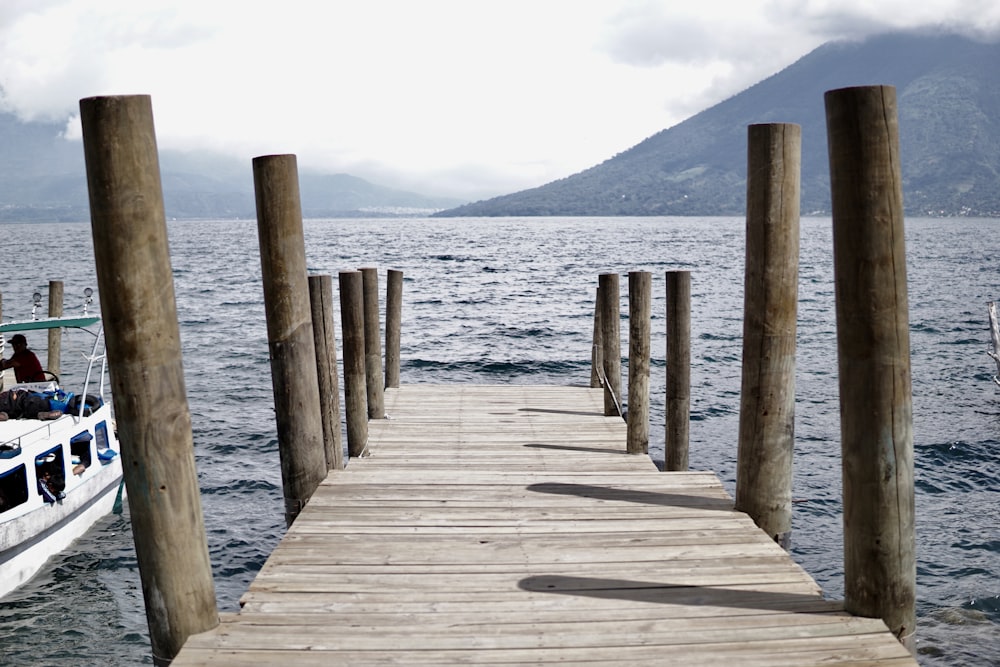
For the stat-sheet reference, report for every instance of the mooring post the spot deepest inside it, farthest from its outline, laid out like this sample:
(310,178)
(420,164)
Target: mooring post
(289,329)
(639,297)
(597,349)
(147,376)
(55,334)
(373,344)
(321,306)
(678,386)
(611,342)
(352,322)
(771,281)
(393,325)
(873,345)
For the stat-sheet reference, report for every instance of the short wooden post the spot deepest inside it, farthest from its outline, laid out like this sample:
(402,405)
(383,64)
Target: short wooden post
(611,342)
(873,345)
(321,304)
(639,296)
(289,329)
(678,394)
(352,321)
(393,325)
(597,349)
(373,344)
(771,280)
(147,376)
(55,335)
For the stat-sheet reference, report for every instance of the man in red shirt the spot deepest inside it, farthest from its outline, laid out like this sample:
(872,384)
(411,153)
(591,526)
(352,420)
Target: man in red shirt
(24,362)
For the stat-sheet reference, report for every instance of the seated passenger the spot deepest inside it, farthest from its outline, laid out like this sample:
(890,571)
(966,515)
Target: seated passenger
(24,362)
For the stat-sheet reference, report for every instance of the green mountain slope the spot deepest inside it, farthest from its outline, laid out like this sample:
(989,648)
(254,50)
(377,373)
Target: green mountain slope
(948,91)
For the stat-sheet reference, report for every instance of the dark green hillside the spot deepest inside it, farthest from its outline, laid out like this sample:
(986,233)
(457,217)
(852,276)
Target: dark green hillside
(948,91)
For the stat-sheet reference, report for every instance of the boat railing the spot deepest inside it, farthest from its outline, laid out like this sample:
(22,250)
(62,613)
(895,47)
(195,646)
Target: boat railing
(35,434)
(93,357)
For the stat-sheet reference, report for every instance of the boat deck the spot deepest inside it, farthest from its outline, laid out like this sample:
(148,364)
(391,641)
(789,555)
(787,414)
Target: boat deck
(507,525)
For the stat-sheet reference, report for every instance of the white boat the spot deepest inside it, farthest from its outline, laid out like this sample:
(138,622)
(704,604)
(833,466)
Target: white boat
(39,519)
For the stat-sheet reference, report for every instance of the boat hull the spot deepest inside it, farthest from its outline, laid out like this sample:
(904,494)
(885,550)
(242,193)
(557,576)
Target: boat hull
(34,530)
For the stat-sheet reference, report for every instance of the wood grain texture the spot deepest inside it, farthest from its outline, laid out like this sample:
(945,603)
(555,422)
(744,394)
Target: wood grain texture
(508,525)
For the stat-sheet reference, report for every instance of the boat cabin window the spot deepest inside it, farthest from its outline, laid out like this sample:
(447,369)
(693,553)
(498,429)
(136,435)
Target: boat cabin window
(13,488)
(80,451)
(102,435)
(51,469)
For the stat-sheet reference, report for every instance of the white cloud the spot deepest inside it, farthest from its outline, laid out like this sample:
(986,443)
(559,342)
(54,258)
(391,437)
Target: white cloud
(445,96)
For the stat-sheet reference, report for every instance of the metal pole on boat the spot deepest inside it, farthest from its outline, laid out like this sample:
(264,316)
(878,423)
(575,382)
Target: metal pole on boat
(771,293)
(393,324)
(144,352)
(55,333)
(321,302)
(373,344)
(289,329)
(678,383)
(873,345)
(611,342)
(637,433)
(352,319)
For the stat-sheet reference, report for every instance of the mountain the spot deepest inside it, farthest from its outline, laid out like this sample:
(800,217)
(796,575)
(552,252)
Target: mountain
(948,97)
(43,178)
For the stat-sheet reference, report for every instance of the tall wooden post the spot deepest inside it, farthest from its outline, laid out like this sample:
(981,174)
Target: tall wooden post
(639,296)
(321,304)
(352,321)
(597,349)
(393,324)
(873,345)
(771,281)
(612,344)
(289,329)
(55,335)
(373,344)
(147,375)
(678,394)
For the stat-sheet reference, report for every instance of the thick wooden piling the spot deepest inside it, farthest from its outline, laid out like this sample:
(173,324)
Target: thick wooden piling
(324,338)
(147,376)
(771,280)
(639,298)
(678,388)
(55,335)
(373,344)
(352,322)
(611,344)
(289,329)
(597,348)
(393,325)
(873,347)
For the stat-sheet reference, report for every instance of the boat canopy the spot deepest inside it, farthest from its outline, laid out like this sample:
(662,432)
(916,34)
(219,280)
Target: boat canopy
(77,322)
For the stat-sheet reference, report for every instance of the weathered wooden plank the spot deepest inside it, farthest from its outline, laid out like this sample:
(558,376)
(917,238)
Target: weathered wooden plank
(507,525)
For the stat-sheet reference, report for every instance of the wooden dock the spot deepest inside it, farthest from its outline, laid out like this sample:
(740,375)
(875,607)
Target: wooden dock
(507,525)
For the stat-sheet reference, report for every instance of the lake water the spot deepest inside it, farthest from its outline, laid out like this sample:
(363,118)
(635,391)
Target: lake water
(511,301)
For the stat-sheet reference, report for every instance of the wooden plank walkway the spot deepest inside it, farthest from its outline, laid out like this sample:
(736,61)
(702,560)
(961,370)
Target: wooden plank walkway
(506,525)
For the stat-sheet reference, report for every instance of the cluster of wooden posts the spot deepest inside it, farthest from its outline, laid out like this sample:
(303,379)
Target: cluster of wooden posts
(302,344)
(143,341)
(872,345)
(134,276)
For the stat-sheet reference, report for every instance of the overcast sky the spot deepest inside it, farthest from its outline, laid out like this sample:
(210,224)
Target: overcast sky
(470,98)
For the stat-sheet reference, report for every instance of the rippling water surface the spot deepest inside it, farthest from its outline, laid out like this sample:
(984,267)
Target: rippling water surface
(511,301)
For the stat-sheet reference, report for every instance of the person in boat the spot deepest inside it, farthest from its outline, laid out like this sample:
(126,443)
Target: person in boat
(20,404)
(24,362)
